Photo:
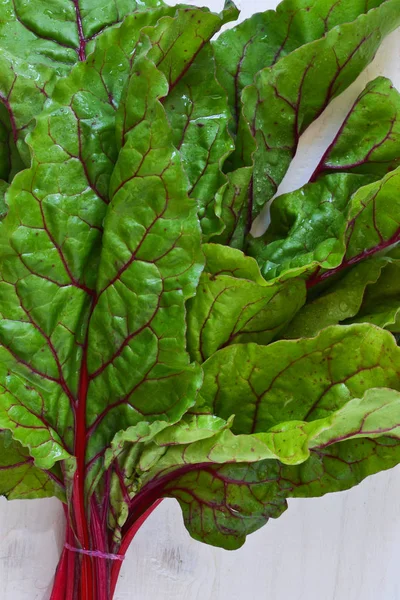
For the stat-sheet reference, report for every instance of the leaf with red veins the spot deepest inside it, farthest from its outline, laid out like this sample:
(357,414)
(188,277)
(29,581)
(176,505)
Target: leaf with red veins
(61,34)
(283,102)
(175,44)
(299,380)
(49,247)
(341,466)
(199,119)
(198,115)
(129,447)
(308,227)
(340,301)
(221,505)
(24,89)
(209,477)
(381,301)
(20,478)
(138,367)
(268,36)
(369,140)
(229,308)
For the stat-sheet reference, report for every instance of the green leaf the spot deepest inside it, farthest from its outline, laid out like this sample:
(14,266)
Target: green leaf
(299,380)
(340,466)
(369,140)
(381,302)
(24,89)
(284,100)
(51,242)
(341,300)
(150,264)
(308,227)
(199,119)
(19,478)
(223,504)
(63,32)
(223,260)
(173,44)
(349,225)
(230,210)
(266,37)
(230,308)
(305,232)
(48,244)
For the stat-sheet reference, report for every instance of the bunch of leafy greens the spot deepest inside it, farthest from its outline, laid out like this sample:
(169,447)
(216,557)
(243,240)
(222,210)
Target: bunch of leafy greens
(149,346)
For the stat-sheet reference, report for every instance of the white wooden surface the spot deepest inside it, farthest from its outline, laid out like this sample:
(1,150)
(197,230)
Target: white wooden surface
(342,547)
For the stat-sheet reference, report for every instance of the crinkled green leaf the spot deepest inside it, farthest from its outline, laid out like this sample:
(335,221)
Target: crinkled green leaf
(340,466)
(199,119)
(284,99)
(20,478)
(215,500)
(173,44)
(223,260)
(381,301)
(229,308)
(225,219)
(340,231)
(223,504)
(24,89)
(262,40)
(61,32)
(308,225)
(149,266)
(297,380)
(366,293)
(340,301)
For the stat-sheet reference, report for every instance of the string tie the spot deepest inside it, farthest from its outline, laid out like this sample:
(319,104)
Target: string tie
(95,553)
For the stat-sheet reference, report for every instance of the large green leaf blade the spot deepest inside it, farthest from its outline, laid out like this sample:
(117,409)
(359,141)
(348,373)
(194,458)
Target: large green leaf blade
(19,478)
(199,119)
(230,308)
(282,102)
(150,265)
(266,37)
(48,250)
(297,380)
(63,32)
(222,503)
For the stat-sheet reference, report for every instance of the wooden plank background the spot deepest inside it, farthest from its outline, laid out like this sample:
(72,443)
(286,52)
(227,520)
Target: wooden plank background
(341,547)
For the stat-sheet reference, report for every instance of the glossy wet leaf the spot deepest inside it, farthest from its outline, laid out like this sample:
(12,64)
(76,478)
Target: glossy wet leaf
(155,241)
(199,120)
(309,226)
(283,102)
(59,32)
(266,37)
